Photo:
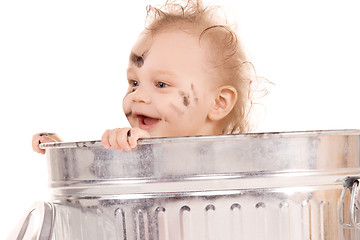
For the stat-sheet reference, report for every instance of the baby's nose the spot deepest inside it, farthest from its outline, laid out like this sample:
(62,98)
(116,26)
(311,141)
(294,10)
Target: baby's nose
(141,95)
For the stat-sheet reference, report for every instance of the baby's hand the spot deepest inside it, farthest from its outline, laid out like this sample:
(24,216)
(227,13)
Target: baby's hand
(43,138)
(123,138)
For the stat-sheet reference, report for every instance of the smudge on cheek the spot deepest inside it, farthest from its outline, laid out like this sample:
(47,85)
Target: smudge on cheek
(185,98)
(177,109)
(196,98)
(128,114)
(186,101)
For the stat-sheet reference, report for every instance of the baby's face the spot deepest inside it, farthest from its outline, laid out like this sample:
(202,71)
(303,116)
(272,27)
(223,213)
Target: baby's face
(170,86)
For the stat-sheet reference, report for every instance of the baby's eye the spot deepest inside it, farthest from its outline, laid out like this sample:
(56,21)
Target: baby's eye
(134,83)
(161,85)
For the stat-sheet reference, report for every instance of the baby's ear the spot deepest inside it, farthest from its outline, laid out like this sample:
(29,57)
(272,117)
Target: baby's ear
(224,102)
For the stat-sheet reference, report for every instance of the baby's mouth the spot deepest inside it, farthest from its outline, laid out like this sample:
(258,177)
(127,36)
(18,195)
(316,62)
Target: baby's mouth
(146,122)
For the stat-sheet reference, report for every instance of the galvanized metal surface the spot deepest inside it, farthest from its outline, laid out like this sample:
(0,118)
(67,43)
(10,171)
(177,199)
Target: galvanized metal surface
(255,186)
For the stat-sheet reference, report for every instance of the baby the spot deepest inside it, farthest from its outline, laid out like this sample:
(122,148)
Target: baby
(188,76)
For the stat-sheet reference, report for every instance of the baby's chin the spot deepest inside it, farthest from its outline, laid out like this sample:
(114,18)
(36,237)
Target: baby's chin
(159,134)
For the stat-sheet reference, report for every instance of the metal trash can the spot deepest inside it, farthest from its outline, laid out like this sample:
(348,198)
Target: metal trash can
(274,186)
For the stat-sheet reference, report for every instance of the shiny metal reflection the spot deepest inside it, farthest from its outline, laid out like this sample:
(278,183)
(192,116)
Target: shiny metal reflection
(251,186)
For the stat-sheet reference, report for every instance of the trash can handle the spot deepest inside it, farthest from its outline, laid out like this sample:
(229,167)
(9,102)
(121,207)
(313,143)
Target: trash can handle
(44,231)
(351,183)
(354,203)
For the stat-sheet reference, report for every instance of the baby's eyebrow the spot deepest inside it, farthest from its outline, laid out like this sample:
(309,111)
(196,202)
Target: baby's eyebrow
(165,73)
(130,70)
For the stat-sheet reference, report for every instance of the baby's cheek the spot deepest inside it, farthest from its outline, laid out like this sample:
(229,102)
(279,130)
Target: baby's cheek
(126,105)
(175,110)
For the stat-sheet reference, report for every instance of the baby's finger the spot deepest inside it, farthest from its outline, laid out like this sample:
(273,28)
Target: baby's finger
(35,144)
(122,139)
(43,138)
(135,134)
(105,139)
(46,139)
(113,138)
(118,139)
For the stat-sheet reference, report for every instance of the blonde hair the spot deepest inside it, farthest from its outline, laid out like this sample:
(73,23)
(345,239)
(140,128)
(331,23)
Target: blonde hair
(226,56)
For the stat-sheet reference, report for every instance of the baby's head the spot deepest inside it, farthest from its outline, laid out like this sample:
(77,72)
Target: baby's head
(188,75)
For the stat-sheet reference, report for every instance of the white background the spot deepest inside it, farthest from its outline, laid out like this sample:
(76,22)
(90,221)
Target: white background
(62,69)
